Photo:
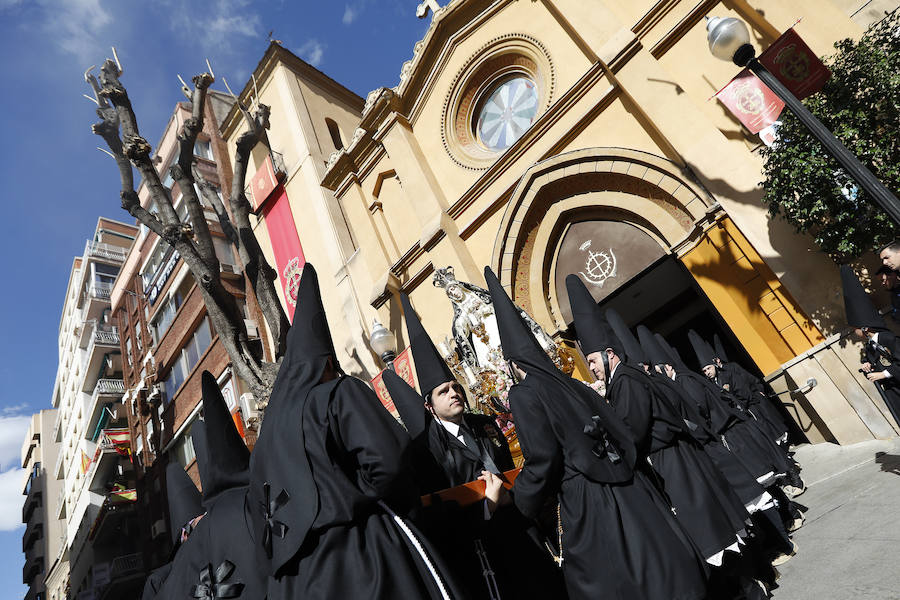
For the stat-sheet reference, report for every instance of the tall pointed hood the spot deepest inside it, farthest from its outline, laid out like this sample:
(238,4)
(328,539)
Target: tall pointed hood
(183,497)
(671,352)
(703,350)
(520,345)
(652,348)
(407,401)
(517,340)
(635,355)
(594,333)
(279,478)
(431,370)
(857,304)
(719,348)
(225,464)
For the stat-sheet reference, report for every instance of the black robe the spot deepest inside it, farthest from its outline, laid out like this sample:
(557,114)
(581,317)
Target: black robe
(620,540)
(751,392)
(522,567)
(885,356)
(219,555)
(704,503)
(354,548)
(155,581)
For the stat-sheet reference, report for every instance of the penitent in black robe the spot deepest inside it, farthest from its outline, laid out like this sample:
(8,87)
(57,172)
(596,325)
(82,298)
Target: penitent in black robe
(465,536)
(354,548)
(750,391)
(704,503)
(620,540)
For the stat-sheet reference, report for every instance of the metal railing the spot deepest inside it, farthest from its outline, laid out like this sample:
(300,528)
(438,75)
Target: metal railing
(126,565)
(105,251)
(98,289)
(110,387)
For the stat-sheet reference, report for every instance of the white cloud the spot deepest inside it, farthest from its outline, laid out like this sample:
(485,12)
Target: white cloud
(312,52)
(350,14)
(75,26)
(12,434)
(11,499)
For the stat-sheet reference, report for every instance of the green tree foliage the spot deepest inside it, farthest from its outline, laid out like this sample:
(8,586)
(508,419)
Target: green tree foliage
(861,105)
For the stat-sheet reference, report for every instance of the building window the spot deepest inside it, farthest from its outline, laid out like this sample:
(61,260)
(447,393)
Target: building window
(128,352)
(335,133)
(166,315)
(184,447)
(506,112)
(187,359)
(105,274)
(203,149)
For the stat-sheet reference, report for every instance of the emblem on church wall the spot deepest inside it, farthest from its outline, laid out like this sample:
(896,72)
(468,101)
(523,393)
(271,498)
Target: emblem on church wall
(291,275)
(599,266)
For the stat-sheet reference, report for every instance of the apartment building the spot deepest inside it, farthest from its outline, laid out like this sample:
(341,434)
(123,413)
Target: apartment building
(97,557)
(167,339)
(42,537)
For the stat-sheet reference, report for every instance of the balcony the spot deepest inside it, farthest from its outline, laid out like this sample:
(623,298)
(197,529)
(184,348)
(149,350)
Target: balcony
(106,392)
(33,501)
(33,533)
(61,502)
(106,252)
(34,566)
(125,577)
(115,520)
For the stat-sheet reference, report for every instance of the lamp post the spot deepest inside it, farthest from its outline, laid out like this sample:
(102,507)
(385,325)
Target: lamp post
(383,343)
(729,40)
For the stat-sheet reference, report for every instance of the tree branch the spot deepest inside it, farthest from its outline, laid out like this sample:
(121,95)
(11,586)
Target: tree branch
(211,194)
(262,277)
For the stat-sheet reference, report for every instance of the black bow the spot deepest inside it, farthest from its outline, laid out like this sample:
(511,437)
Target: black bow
(212,585)
(273,526)
(603,448)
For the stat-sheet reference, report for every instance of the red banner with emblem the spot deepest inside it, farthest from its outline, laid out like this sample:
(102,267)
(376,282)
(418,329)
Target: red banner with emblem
(289,258)
(262,184)
(751,101)
(795,65)
(403,366)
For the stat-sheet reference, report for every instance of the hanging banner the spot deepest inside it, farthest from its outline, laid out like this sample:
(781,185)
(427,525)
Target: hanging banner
(289,258)
(403,366)
(751,101)
(792,62)
(262,184)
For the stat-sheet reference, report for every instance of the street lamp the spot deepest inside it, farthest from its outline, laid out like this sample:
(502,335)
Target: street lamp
(383,343)
(729,40)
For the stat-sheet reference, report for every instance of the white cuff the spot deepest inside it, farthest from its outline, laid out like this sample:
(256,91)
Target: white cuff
(886,374)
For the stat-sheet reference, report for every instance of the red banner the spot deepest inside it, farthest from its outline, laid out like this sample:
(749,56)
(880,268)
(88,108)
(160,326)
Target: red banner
(262,184)
(289,258)
(403,366)
(751,101)
(795,65)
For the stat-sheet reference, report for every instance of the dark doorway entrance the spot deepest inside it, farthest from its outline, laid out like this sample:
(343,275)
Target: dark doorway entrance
(666,299)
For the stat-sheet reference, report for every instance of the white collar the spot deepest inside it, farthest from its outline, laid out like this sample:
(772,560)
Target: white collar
(874,337)
(450,426)
(613,370)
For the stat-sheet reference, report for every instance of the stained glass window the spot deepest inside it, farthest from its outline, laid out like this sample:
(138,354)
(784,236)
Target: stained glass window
(508,112)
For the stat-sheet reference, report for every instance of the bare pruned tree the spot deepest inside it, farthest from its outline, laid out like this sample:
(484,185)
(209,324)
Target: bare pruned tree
(191,237)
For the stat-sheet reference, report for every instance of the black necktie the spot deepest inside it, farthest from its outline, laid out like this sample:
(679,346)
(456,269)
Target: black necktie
(475,446)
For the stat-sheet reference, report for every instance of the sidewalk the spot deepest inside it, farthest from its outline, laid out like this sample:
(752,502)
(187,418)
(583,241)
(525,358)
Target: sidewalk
(848,546)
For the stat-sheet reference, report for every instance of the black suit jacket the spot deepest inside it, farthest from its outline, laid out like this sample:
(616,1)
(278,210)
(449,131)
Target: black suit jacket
(460,463)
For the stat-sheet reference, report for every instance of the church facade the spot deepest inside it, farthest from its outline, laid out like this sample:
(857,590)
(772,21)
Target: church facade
(549,137)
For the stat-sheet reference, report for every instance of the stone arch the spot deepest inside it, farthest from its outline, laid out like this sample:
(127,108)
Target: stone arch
(619,184)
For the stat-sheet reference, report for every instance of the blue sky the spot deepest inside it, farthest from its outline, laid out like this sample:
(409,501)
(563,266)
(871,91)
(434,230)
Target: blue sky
(56,183)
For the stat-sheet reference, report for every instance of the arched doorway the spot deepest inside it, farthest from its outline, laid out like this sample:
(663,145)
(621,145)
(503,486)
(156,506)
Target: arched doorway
(651,242)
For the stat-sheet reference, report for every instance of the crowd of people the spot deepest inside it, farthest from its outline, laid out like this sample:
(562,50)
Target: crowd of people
(652,482)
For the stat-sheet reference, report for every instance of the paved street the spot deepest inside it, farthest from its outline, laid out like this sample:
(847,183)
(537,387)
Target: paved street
(848,546)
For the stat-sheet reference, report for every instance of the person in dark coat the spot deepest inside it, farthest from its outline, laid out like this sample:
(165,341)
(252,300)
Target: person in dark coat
(617,536)
(744,443)
(491,546)
(185,511)
(330,481)
(881,352)
(682,471)
(219,558)
(890,282)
